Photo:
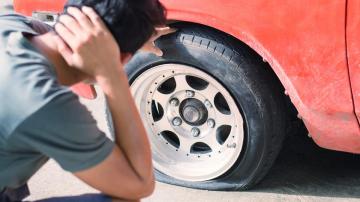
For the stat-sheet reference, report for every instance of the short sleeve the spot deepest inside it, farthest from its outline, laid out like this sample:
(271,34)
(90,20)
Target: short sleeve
(65,130)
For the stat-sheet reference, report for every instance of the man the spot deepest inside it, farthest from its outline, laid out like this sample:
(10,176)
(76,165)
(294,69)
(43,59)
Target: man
(41,119)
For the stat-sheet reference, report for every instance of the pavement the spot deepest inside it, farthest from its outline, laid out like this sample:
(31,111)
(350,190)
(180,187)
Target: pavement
(303,172)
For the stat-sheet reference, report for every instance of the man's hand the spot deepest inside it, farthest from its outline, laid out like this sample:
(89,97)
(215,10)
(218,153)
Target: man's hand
(150,46)
(86,44)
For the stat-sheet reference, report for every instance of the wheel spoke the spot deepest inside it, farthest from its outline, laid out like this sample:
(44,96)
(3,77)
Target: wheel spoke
(163,124)
(161,98)
(224,119)
(185,145)
(210,91)
(181,83)
(211,141)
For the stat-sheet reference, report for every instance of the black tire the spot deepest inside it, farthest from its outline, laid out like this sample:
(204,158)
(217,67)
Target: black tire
(251,83)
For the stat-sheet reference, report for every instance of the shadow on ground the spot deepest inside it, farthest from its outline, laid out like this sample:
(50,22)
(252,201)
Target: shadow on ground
(80,198)
(303,168)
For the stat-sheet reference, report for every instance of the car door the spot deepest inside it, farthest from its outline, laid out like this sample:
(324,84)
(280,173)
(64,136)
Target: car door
(353,50)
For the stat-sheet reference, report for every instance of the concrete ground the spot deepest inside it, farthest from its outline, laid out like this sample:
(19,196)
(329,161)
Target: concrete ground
(303,172)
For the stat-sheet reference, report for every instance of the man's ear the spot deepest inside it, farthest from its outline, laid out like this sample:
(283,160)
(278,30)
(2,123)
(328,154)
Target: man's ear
(125,58)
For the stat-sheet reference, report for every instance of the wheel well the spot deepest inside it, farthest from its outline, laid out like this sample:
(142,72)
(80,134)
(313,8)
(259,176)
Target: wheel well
(235,43)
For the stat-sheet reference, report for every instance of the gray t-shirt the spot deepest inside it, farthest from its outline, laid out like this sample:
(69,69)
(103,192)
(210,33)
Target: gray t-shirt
(39,118)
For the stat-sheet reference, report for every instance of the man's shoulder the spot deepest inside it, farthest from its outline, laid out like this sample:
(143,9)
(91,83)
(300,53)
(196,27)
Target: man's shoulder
(10,20)
(21,63)
(27,82)
(27,79)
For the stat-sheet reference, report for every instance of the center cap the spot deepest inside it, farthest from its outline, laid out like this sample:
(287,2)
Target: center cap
(191,114)
(193,111)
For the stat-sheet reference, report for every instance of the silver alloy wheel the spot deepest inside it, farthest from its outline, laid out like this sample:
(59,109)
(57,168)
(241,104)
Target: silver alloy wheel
(194,125)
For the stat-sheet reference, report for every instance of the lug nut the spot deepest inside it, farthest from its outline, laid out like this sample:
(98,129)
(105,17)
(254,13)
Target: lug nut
(177,121)
(190,93)
(174,102)
(211,123)
(195,132)
(208,103)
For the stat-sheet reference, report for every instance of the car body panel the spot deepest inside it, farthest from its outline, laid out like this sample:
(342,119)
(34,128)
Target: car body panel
(27,7)
(304,43)
(353,48)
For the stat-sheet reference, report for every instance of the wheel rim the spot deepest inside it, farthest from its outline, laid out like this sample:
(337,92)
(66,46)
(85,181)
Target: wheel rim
(194,125)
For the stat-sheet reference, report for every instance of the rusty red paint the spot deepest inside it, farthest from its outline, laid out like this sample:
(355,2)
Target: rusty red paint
(305,44)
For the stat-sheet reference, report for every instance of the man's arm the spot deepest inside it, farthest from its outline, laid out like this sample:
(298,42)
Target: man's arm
(128,170)
(86,44)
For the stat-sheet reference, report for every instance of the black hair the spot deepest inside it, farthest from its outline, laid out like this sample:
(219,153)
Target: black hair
(131,22)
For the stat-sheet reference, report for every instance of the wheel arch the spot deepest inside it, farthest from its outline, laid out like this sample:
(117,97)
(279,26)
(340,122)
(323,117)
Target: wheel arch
(256,48)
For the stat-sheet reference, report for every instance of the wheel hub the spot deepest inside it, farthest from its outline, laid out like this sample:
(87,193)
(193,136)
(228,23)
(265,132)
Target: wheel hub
(193,111)
(191,114)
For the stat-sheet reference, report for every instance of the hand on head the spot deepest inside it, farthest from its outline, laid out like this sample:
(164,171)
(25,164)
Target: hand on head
(86,44)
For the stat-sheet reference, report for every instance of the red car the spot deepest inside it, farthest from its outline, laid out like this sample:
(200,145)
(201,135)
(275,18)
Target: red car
(216,105)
